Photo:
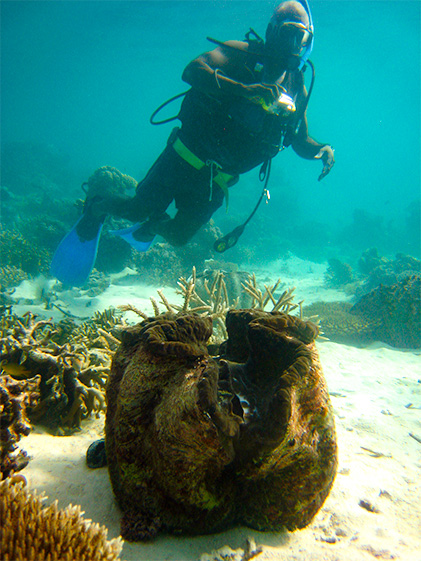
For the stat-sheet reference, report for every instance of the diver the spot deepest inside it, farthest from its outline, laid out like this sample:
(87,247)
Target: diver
(247,101)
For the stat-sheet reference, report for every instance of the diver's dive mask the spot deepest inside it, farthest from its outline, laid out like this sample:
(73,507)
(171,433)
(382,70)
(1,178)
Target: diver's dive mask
(291,36)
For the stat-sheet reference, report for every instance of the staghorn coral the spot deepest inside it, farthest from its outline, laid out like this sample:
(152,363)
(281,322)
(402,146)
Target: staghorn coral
(195,444)
(13,425)
(31,531)
(70,378)
(233,279)
(209,297)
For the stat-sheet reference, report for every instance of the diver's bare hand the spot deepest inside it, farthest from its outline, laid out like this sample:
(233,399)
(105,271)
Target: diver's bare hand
(262,94)
(326,154)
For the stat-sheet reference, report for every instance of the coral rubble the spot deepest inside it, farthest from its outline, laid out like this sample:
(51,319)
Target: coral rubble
(196,443)
(32,531)
(226,553)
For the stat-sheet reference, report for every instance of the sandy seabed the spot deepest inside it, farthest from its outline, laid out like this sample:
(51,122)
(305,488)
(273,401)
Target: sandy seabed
(373,510)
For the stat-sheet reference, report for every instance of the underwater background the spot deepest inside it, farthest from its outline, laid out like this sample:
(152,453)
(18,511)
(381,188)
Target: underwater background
(79,81)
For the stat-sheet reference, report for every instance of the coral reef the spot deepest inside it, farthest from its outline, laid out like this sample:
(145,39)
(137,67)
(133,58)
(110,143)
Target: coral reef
(396,311)
(162,263)
(67,377)
(32,531)
(42,230)
(338,274)
(114,254)
(380,270)
(338,323)
(108,182)
(159,265)
(13,425)
(196,443)
(391,314)
(370,260)
(19,253)
(11,276)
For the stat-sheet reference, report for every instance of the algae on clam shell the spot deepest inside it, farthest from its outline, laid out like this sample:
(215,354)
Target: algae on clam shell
(197,443)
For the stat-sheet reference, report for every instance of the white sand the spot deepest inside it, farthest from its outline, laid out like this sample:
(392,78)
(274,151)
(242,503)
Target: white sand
(371,389)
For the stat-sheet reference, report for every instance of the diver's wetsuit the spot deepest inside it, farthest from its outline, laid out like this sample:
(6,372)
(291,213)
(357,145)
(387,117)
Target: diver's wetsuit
(232,132)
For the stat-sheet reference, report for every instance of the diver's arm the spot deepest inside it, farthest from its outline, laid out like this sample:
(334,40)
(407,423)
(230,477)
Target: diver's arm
(213,73)
(303,145)
(310,149)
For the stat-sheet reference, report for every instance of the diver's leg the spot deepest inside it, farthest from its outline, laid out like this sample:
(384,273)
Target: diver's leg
(155,192)
(194,209)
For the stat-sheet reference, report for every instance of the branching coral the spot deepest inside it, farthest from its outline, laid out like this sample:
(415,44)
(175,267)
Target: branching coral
(261,299)
(13,425)
(215,301)
(70,377)
(32,532)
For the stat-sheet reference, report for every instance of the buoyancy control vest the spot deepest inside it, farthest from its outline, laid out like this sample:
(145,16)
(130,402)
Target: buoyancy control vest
(233,131)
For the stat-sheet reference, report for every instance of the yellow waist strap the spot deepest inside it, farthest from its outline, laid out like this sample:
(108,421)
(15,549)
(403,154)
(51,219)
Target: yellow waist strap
(221,178)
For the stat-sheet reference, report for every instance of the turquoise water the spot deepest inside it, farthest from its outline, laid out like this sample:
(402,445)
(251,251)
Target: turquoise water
(84,77)
(79,81)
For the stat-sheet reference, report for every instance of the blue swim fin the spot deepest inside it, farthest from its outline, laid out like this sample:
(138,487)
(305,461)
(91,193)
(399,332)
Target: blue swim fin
(74,258)
(127,235)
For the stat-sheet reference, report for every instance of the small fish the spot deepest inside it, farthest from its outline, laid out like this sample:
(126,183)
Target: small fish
(15,370)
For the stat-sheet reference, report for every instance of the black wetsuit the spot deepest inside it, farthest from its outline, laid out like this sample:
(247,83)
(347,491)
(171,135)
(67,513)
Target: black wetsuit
(233,132)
